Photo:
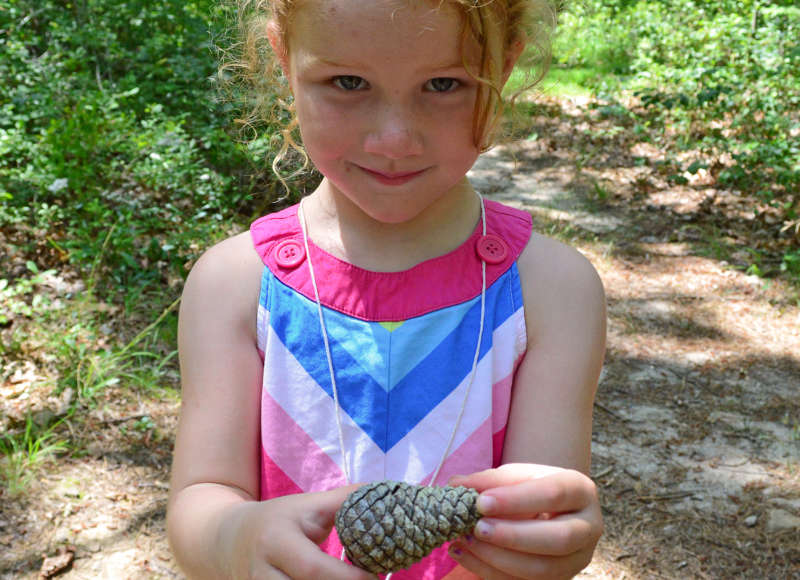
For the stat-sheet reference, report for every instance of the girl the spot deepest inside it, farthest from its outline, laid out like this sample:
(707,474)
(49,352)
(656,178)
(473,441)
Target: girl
(394,324)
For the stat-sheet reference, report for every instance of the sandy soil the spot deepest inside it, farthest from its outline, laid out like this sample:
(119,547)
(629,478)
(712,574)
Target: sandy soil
(697,422)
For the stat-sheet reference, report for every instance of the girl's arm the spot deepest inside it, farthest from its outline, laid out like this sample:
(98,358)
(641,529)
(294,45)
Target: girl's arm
(216,525)
(550,420)
(543,517)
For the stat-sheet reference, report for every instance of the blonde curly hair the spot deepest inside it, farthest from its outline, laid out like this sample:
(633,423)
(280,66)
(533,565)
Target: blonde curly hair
(496,26)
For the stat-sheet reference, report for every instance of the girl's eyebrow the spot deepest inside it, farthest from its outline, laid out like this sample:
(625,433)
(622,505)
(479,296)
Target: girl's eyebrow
(448,65)
(317,60)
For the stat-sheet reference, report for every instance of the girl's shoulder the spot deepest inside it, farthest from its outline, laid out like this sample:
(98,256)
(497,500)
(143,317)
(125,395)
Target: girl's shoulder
(558,282)
(555,262)
(228,261)
(224,282)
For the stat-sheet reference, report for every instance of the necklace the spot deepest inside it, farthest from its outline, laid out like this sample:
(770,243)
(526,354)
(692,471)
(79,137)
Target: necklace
(324,332)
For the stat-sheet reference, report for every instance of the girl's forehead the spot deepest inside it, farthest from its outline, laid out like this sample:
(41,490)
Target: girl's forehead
(359,16)
(421,30)
(334,6)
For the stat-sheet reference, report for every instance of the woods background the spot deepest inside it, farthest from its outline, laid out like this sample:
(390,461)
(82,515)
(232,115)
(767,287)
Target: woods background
(120,162)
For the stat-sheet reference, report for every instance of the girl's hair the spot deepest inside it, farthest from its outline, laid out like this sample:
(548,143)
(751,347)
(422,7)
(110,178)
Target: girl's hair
(494,25)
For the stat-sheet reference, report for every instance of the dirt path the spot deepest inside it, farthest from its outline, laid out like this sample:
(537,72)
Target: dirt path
(696,445)
(697,423)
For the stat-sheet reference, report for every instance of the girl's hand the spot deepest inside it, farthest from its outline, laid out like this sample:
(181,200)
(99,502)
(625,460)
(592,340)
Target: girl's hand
(278,539)
(540,522)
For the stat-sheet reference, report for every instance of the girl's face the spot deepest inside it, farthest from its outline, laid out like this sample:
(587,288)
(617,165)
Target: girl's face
(384,102)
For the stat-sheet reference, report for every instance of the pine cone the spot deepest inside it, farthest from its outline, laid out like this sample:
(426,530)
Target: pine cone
(389,525)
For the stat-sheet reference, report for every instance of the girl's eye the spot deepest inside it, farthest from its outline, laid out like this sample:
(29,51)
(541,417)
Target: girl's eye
(442,84)
(350,83)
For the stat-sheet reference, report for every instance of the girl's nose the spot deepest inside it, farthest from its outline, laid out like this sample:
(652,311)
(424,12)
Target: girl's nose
(394,136)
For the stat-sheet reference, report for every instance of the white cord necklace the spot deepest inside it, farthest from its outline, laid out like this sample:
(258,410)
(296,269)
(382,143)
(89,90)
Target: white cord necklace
(323,330)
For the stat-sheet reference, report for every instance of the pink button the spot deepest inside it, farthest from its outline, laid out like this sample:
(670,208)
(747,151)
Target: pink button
(289,253)
(491,249)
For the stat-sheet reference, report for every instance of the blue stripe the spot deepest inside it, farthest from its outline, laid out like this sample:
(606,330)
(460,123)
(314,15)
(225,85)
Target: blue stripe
(295,321)
(420,336)
(447,365)
(386,417)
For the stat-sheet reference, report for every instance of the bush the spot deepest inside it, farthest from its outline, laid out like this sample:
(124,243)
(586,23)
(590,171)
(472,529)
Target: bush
(108,118)
(722,75)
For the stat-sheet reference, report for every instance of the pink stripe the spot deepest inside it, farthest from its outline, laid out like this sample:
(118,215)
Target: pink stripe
(332,545)
(274,482)
(501,402)
(501,405)
(387,296)
(464,459)
(493,429)
(294,453)
(498,441)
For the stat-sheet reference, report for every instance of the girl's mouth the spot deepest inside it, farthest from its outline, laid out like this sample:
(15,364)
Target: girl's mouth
(392,178)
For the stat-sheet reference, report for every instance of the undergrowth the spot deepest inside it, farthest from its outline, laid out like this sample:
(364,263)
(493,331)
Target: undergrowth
(714,83)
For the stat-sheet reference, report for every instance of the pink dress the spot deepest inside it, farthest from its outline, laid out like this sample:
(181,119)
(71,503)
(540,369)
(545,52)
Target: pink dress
(402,345)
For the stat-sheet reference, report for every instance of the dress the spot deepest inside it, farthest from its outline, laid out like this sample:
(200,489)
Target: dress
(402,345)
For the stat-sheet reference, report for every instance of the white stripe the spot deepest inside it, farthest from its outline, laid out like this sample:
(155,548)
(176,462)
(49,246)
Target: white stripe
(262,322)
(301,397)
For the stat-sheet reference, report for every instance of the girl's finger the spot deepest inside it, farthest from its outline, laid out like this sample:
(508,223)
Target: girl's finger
(560,536)
(507,474)
(321,511)
(272,574)
(499,563)
(298,557)
(318,564)
(475,565)
(565,491)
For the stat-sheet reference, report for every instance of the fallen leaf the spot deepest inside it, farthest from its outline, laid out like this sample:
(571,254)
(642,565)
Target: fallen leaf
(55,565)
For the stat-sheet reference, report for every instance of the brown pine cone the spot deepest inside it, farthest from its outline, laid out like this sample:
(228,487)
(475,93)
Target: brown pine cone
(389,525)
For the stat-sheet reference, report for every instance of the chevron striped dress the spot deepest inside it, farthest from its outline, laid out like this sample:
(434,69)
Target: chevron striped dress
(402,345)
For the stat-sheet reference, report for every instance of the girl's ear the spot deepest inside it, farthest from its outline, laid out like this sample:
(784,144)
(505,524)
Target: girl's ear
(512,56)
(278,44)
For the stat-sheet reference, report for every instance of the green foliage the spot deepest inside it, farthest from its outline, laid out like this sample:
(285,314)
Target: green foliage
(13,296)
(90,368)
(107,117)
(719,77)
(117,167)
(21,453)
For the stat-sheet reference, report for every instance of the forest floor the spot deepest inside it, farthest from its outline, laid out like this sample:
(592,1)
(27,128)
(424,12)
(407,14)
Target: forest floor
(697,422)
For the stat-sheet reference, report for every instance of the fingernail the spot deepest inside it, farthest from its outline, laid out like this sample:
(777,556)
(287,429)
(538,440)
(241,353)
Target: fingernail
(453,481)
(486,504)
(483,529)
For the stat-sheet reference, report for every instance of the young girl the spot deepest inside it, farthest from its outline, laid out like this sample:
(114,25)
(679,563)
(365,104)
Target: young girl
(394,324)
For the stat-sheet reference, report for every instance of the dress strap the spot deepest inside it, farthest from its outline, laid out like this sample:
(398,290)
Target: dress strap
(450,279)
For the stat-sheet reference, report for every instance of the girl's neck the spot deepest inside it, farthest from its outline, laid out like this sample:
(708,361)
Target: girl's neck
(342,229)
